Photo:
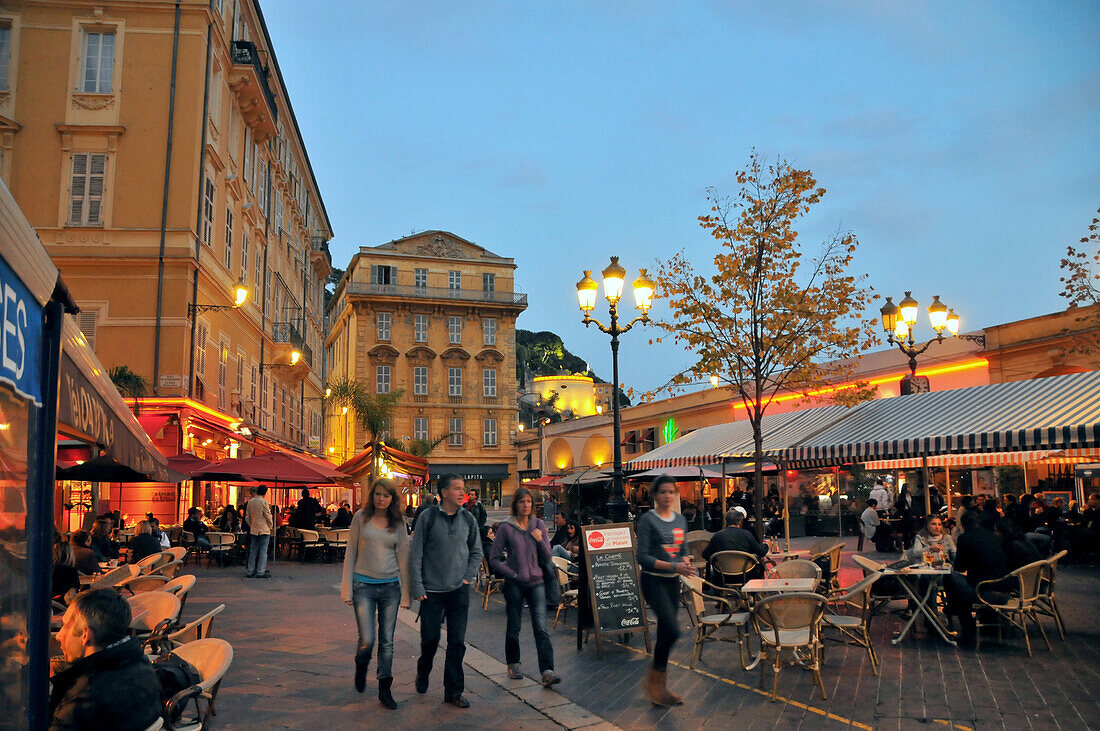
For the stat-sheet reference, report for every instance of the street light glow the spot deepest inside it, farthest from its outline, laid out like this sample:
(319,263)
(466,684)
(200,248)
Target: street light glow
(614,277)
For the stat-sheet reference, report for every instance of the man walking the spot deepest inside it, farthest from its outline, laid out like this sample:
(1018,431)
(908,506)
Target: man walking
(446,553)
(476,509)
(258,514)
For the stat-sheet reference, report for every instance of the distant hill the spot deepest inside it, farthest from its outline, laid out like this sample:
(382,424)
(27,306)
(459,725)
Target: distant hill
(544,354)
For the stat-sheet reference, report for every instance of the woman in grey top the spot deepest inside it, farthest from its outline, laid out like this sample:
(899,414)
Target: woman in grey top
(664,558)
(376,580)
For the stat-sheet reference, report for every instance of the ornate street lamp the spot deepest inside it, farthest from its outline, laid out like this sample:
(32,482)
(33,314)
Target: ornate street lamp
(614,278)
(898,322)
(240,296)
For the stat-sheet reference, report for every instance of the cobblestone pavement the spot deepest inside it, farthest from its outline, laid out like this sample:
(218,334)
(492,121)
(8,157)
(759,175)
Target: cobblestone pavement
(294,640)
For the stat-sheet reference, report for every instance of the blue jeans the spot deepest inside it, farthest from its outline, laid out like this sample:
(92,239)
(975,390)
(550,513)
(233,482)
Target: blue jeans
(381,600)
(514,596)
(257,555)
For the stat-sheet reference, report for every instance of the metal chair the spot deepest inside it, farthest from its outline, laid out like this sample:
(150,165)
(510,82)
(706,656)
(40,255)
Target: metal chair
(568,596)
(884,592)
(798,568)
(834,552)
(220,546)
(1017,608)
(734,567)
(791,623)
(730,613)
(488,584)
(856,629)
(1045,603)
(198,629)
(212,658)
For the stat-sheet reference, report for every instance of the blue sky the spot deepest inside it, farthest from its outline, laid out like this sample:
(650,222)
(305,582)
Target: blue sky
(959,141)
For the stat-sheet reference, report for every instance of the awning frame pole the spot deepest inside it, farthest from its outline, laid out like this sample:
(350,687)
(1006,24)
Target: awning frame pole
(927,485)
(782,465)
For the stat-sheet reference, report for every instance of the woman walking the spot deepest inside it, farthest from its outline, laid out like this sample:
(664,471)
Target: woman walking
(663,555)
(523,537)
(375,581)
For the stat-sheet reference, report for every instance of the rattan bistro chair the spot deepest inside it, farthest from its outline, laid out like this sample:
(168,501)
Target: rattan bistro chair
(790,623)
(157,606)
(798,568)
(733,567)
(198,629)
(696,541)
(730,613)
(487,584)
(212,658)
(569,595)
(1019,607)
(1045,603)
(855,629)
(180,586)
(833,552)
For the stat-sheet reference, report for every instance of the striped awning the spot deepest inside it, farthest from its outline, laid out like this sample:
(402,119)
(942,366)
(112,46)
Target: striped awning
(990,459)
(1062,412)
(713,444)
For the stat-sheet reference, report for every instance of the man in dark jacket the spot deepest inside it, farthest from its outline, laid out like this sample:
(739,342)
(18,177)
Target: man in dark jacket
(978,557)
(476,509)
(85,558)
(735,538)
(109,684)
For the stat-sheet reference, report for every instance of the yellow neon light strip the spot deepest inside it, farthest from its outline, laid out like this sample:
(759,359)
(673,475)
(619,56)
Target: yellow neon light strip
(942,370)
(180,402)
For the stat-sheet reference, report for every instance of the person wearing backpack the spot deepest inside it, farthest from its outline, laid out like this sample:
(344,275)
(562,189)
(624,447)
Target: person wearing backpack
(444,561)
(523,538)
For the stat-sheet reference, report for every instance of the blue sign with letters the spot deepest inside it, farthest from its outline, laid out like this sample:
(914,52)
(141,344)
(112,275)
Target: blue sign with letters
(20,336)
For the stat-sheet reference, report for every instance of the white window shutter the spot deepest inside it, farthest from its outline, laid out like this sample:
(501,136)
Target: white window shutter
(87,324)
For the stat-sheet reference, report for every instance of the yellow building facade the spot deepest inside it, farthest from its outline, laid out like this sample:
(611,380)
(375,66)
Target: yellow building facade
(154,149)
(432,315)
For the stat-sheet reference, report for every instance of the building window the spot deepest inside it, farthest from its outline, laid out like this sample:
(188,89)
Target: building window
(420,427)
(5,55)
(420,328)
(252,388)
(99,62)
(240,375)
(229,239)
(489,330)
(488,283)
(244,256)
(223,365)
(489,382)
(454,381)
(420,380)
(454,428)
(420,278)
(382,379)
(208,213)
(383,274)
(384,322)
(490,430)
(200,347)
(454,329)
(454,280)
(259,273)
(86,197)
(87,323)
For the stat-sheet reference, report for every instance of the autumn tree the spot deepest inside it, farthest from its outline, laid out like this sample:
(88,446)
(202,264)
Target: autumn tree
(373,411)
(765,319)
(1081,287)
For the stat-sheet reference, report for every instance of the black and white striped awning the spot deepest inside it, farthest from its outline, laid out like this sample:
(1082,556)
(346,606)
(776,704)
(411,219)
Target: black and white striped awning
(714,444)
(1062,412)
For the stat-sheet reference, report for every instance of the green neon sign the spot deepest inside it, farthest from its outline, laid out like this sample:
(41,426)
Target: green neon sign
(670,430)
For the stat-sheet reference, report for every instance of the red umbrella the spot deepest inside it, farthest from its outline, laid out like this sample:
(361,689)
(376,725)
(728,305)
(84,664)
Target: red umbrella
(187,463)
(273,466)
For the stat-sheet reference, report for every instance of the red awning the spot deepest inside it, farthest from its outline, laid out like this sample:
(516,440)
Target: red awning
(274,467)
(153,423)
(187,463)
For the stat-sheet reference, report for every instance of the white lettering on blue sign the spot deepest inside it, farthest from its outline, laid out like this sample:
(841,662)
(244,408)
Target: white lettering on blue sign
(20,335)
(15,327)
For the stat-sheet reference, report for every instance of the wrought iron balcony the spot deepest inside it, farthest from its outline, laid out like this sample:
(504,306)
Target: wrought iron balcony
(285,332)
(249,81)
(436,293)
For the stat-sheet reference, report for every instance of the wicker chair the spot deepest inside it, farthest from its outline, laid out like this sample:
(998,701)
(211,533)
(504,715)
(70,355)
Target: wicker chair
(569,596)
(696,541)
(790,622)
(212,658)
(141,583)
(179,552)
(1045,603)
(730,613)
(154,561)
(734,567)
(168,570)
(884,592)
(157,606)
(799,568)
(487,584)
(198,629)
(180,586)
(856,628)
(834,552)
(220,546)
(114,577)
(1019,607)
(310,539)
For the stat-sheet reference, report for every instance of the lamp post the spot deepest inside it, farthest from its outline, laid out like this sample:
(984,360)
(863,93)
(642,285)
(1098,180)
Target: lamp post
(899,321)
(614,277)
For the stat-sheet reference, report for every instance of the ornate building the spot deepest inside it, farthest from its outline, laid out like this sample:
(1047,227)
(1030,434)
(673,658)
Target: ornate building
(433,315)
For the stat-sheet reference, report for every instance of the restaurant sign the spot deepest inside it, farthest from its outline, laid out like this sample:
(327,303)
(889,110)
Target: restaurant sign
(20,334)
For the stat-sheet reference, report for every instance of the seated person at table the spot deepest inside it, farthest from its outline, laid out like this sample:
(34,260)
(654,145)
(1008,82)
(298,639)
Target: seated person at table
(1019,551)
(869,522)
(161,536)
(978,557)
(570,547)
(65,581)
(101,539)
(85,559)
(229,521)
(308,512)
(342,519)
(144,543)
(734,537)
(197,528)
(109,683)
(932,537)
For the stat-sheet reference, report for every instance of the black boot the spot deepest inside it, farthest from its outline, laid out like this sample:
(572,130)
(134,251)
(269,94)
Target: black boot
(384,695)
(361,675)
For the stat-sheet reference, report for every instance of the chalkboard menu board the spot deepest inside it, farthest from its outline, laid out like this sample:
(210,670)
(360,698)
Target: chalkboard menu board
(613,580)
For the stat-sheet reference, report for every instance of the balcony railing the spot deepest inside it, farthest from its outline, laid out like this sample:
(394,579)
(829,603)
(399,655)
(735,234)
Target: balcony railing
(244,53)
(284,332)
(438,293)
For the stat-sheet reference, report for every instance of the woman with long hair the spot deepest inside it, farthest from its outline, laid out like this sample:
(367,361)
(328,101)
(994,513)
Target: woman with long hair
(932,537)
(570,548)
(375,582)
(523,538)
(663,555)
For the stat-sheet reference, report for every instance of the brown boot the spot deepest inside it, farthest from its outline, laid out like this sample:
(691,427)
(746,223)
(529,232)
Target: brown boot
(668,698)
(653,686)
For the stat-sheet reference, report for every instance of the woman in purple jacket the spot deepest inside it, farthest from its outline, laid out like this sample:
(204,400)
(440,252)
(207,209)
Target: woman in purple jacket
(519,544)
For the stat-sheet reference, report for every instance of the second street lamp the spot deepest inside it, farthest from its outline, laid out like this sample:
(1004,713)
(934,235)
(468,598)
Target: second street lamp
(899,321)
(614,279)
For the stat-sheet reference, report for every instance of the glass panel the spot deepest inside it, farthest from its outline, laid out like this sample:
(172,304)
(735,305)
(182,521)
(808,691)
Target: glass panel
(15,452)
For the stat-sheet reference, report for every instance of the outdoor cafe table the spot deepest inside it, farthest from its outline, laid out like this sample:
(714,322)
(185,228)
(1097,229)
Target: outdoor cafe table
(781,556)
(909,578)
(761,586)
